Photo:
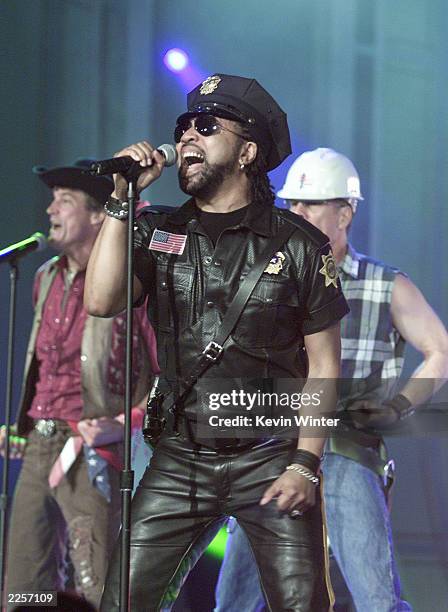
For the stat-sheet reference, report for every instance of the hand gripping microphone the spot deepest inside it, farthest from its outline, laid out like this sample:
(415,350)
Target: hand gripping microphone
(124,164)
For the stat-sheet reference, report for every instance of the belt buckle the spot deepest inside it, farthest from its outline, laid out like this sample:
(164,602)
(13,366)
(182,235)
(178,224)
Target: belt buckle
(45,427)
(212,351)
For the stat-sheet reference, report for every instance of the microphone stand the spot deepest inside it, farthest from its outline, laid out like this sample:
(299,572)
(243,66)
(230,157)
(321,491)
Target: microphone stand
(13,276)
(127,475)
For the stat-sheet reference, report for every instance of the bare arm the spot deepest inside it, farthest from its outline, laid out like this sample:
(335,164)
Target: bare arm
(324,362)
(105,287)
(419,325)
(292,490)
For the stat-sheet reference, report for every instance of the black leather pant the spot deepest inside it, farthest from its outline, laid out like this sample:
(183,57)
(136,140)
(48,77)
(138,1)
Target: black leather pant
(186,490)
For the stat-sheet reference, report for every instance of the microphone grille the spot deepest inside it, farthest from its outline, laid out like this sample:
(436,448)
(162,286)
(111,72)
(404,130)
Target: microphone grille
(169,153)
(41,240)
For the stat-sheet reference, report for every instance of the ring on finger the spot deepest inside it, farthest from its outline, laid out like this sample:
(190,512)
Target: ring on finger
(295,513)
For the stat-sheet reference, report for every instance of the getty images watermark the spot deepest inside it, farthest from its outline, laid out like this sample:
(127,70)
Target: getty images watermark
(262,408)
(241,400)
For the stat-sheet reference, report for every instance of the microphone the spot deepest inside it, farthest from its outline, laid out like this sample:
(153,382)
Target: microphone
(124,164)
(36,242)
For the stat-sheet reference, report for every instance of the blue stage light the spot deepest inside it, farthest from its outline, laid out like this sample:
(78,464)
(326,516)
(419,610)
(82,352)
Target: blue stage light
(176,60)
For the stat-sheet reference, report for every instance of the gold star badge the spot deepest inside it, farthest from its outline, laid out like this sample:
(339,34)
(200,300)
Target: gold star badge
(209,85)
(329,270)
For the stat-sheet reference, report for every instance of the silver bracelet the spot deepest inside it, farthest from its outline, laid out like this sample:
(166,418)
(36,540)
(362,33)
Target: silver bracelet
(303,472)
(116,208)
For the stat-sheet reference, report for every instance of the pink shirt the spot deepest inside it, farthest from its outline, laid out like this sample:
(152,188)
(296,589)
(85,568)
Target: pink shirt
(58,348)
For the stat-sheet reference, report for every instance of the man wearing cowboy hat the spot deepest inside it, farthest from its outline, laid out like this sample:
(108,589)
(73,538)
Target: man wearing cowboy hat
(67,495)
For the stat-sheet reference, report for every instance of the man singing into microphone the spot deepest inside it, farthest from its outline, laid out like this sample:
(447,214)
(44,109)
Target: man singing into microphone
(190,263)
(67,495)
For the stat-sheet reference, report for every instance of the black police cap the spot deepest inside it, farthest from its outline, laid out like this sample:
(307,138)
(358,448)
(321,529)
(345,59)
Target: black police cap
(77,177)
(245,100)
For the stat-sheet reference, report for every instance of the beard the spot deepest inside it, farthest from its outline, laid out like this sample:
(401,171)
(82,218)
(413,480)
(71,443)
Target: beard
(205,183)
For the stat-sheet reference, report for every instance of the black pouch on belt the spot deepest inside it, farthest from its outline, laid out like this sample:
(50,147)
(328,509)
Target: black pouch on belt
(154,421)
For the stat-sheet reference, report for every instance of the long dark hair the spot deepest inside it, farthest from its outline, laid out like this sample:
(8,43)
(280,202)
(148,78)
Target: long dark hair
(260,186)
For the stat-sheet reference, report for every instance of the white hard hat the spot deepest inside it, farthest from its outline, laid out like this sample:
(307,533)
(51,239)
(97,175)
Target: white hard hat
(322,174)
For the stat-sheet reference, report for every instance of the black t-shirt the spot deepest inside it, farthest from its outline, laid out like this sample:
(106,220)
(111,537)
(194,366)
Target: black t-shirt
(215,223)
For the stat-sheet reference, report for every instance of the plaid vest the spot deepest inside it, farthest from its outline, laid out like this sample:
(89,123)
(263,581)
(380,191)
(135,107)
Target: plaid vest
(372,349)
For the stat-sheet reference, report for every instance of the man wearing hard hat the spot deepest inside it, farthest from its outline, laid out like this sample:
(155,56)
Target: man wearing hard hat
(386,310)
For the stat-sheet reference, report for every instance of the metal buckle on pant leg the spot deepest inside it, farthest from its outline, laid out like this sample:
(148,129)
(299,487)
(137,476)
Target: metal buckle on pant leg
(389,474)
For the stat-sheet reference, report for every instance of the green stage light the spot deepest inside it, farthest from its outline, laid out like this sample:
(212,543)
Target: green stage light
(217,546)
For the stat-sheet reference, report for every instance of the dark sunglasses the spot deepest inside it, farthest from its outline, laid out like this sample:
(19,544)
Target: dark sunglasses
(205,125)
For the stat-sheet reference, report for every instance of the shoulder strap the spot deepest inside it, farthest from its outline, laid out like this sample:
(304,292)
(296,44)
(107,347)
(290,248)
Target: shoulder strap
(214,349)
(248,285)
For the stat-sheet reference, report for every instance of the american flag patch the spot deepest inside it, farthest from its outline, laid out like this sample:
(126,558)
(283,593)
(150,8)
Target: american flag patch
(167,243)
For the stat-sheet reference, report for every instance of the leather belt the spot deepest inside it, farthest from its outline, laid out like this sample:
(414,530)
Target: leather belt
(185,428)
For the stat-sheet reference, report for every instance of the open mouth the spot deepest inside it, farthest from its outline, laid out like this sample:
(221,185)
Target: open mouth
(192,158)
(54,227)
